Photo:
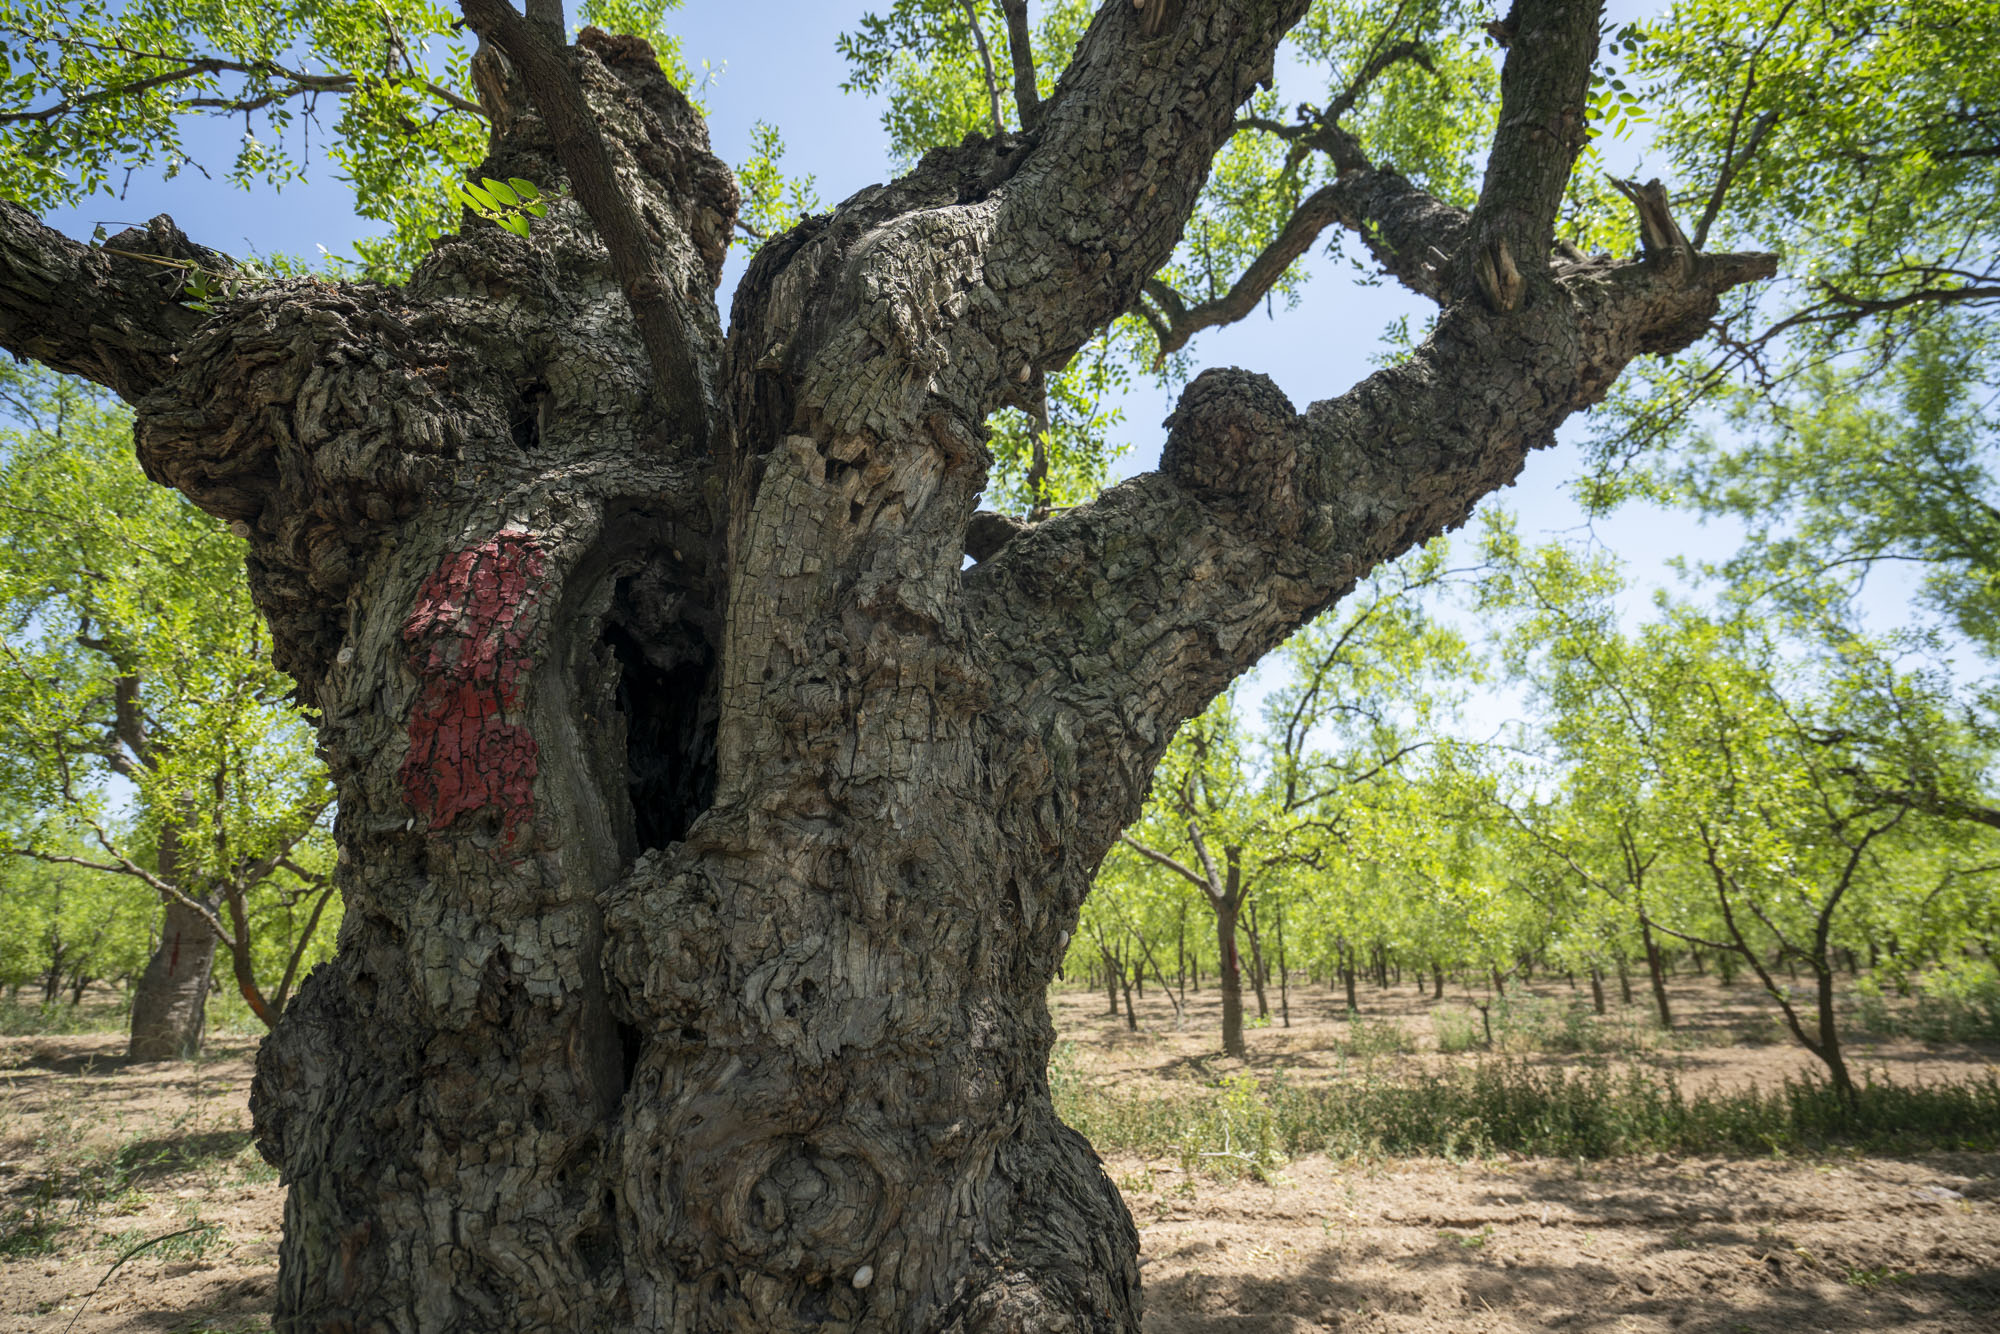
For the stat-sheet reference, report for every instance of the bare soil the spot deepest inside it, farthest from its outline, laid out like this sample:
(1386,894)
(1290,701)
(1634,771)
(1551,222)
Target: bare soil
(108,1154)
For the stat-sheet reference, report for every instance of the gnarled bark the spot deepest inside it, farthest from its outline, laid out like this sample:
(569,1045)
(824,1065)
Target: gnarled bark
(709,834)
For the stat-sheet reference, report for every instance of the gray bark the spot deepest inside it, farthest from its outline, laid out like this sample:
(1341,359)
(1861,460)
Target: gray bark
(170,1001)
(709,835)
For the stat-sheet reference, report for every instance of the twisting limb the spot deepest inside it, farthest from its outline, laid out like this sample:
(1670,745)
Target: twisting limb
(1408,230)
(1261,515)
(109,314)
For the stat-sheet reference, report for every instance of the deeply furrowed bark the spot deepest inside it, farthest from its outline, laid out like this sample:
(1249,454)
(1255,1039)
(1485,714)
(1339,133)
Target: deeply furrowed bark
(708,833)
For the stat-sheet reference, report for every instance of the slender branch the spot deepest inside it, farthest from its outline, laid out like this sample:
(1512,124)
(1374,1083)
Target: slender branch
(1731,167)
(1027,100)
(1171,863)
(986,66)
(299,949)
(123,865)
(1215,879)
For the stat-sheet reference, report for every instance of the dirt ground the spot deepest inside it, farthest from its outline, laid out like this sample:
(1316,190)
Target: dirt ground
(109,1154)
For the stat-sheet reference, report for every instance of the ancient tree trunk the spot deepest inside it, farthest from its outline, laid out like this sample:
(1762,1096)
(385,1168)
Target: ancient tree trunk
(709,832)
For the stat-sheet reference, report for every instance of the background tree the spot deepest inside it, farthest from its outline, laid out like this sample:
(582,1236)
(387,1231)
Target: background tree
(145,731)
(1233,814)
(66,928)
(1706,782)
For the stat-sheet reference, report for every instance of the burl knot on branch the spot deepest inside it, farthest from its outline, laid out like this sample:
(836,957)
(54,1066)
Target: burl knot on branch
(1235,433)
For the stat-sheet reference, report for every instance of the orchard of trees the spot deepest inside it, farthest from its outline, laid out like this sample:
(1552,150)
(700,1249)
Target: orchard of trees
(690,746)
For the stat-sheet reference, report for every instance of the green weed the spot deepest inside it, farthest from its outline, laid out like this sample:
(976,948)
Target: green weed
(1242,1124)
(1369,1038)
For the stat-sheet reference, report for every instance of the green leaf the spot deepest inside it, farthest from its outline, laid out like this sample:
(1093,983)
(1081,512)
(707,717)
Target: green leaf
(527,190)
(499,191)
(514,223)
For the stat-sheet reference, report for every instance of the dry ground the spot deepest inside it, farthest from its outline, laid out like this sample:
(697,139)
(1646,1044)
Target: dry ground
(115,1153)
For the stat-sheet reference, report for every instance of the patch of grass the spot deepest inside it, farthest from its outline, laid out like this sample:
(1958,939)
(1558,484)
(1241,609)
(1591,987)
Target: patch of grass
(19,1019)
(1369,1038)
(1458,1031)
(27,1232)
(1956,1003)
(1872,1277)
(193,1240)
(1244,1125)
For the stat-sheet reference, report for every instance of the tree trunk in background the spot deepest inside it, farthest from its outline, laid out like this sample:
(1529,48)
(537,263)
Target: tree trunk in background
(1230,975)
(1656,970)
(1257,965)
(170,1000)
(1596,989)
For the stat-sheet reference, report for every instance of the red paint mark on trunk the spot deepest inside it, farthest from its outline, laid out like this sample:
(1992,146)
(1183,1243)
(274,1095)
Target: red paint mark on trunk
(469,636)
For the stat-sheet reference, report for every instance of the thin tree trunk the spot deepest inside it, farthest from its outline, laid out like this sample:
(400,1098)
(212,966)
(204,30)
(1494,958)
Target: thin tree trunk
(1257,965)
(1124,979)
(1658,974)
(1284,988)
(1596,989)
(1229,971)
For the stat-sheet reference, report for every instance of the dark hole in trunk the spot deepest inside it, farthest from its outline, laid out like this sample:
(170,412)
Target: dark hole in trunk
(525,422)
(630,1044)
(669,731)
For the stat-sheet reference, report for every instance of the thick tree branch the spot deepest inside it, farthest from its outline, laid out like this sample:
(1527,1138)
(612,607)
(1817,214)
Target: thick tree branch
(1098,205)
(109,314)
(1155,596)
(1543,87)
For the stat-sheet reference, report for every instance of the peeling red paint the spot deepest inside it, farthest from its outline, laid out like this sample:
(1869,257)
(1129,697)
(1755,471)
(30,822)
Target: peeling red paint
(469,636)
